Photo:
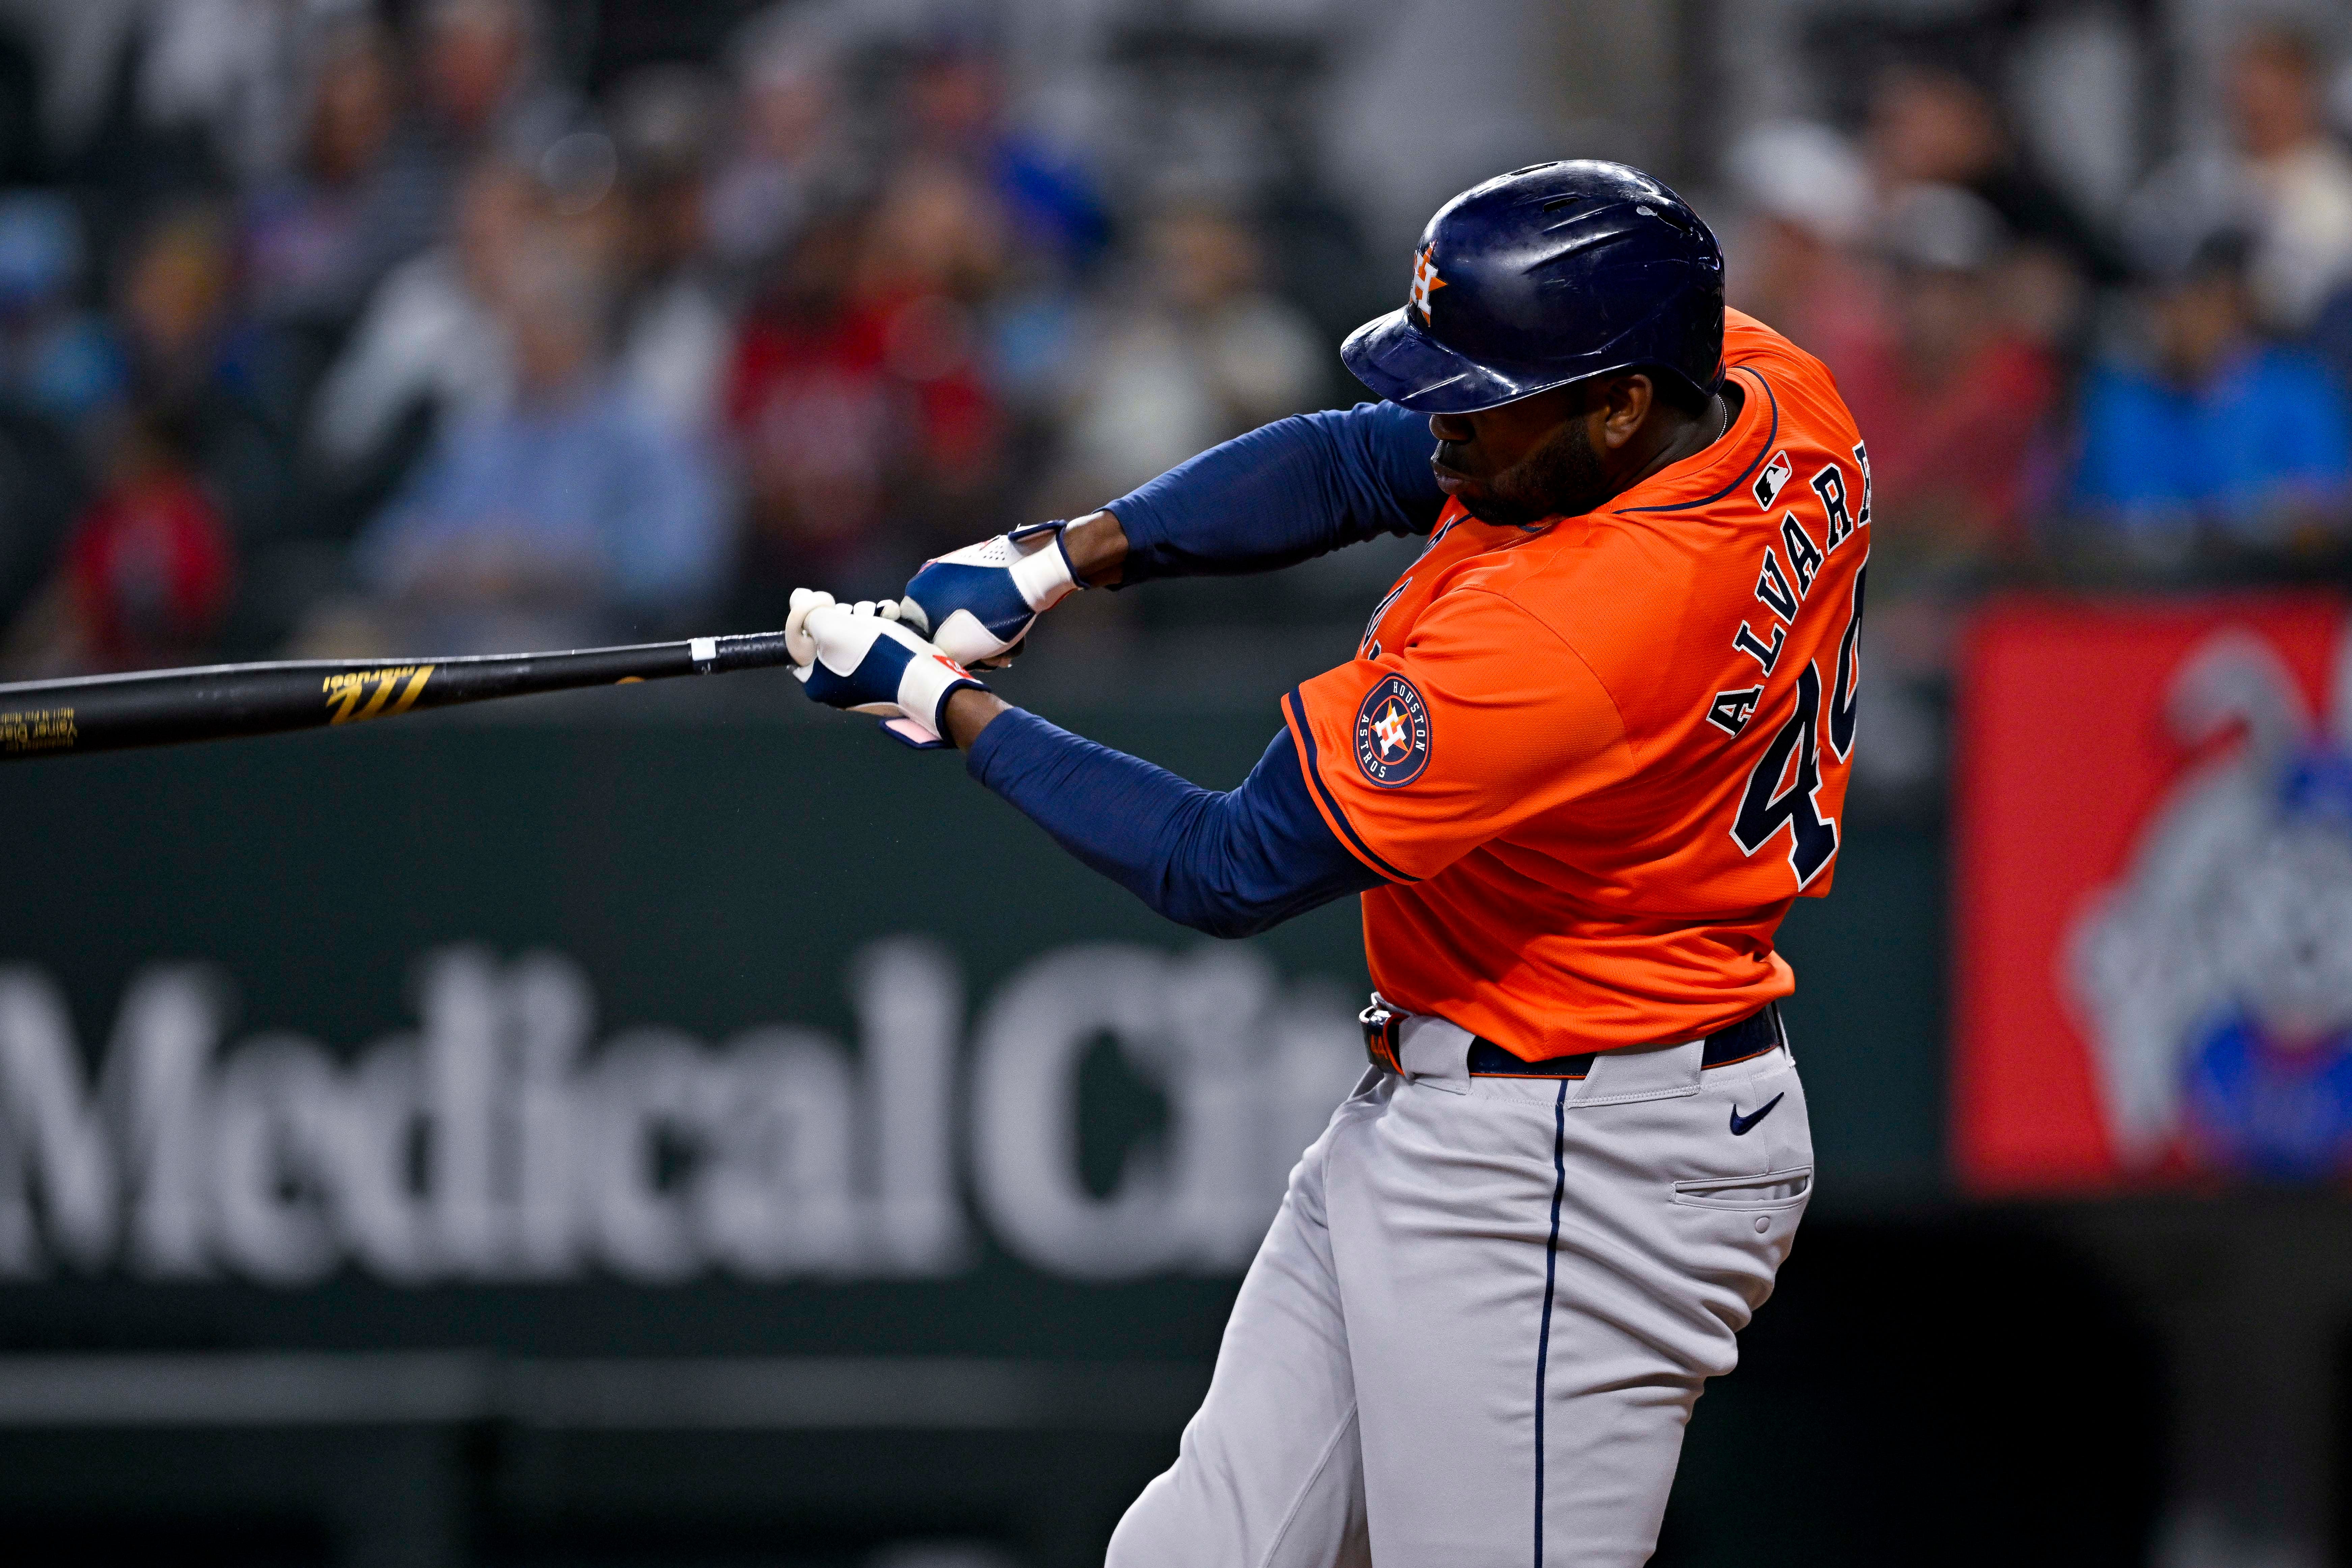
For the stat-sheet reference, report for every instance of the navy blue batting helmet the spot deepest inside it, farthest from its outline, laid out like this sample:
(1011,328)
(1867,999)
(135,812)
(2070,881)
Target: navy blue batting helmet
(1545,276)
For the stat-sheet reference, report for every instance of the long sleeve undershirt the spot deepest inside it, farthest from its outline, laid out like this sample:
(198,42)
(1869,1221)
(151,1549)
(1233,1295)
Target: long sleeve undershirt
(1298,488)
(1230,865)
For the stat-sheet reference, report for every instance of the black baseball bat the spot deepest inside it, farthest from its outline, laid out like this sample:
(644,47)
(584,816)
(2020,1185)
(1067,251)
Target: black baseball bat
(215,702)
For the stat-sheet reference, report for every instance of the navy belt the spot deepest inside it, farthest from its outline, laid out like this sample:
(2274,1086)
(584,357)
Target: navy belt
(1759,1034)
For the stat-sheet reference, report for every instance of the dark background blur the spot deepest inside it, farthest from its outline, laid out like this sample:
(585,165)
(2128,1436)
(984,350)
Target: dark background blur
(674,1127)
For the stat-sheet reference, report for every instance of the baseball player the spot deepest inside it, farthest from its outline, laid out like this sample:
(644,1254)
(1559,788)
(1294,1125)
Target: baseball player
(1593,743)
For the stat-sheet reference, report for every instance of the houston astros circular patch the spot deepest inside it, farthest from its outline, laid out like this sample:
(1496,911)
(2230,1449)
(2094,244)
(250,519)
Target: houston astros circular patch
(1393,733)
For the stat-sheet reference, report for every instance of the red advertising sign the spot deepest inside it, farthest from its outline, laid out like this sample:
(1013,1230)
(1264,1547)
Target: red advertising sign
(2153,914)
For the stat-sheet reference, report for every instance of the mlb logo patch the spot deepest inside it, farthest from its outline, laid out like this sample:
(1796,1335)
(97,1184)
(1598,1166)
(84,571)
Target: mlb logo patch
(1775,475)
(1393,733)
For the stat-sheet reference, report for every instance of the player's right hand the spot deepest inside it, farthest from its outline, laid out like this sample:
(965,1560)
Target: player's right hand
(860,657)
(979,602)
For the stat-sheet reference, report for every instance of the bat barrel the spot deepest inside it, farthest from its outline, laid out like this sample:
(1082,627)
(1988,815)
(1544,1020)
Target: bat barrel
(159,708)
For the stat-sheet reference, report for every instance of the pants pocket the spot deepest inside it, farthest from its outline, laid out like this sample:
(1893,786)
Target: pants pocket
(1773,1190)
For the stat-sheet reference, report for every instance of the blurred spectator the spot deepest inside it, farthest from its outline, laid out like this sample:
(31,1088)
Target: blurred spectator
(789,139)
(2300,175)
(59,364)
(1805,205)
(483,89)
(432,342)
(939,246)
(573,514)
(354,202)
(175,299)
(1933,126)
(226,69)
(58,360)
(676,334)
(1195,350)
(955,111)
(147,572)
(1952,401)
(2214,437)
(870,435)
(813,410)
(2288,182)
(193,367)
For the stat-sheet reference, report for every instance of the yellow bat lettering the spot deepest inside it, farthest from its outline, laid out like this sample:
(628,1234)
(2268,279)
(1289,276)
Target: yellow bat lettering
(416,684)
(387,682)
(342,695)
(387,691)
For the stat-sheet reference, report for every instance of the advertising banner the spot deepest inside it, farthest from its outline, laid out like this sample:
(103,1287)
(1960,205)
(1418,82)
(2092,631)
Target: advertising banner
(2153,895)
(753,1039)
(505,1007)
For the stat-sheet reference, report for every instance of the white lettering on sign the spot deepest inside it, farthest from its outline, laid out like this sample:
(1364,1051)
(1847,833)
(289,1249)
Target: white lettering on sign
(501,1142)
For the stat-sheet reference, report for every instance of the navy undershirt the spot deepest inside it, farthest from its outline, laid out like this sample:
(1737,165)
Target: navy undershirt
(1298,488)
(1229,863)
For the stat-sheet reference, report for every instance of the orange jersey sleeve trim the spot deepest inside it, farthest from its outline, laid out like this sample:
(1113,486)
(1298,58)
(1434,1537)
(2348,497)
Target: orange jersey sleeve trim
(1293,713)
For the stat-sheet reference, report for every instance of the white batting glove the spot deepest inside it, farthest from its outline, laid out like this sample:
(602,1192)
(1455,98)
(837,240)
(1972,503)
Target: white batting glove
(859,657)
(979,602)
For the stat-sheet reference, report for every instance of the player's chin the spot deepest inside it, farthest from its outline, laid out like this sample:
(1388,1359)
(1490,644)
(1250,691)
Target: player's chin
(1476,499)
(1487,507)
(1483,500)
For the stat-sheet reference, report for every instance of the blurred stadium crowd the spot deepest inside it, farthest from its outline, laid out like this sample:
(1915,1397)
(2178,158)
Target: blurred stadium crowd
(345,327)
(2158,400)
(343,332)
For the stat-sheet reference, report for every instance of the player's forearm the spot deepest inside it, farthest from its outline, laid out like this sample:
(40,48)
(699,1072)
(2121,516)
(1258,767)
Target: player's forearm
(1296,489)
(1229,864)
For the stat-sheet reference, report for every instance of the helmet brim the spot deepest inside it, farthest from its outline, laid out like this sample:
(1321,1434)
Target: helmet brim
(1405,364)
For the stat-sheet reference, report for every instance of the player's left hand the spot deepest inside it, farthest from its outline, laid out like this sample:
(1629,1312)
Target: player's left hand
(859,657)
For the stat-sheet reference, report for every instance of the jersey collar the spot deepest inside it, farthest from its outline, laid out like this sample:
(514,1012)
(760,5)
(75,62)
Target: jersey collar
(1708,474)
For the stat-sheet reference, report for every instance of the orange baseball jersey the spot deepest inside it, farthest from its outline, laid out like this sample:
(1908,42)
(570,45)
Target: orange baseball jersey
(1595,760)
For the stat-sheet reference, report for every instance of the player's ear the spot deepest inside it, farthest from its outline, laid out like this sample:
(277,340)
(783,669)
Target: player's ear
(1625,406)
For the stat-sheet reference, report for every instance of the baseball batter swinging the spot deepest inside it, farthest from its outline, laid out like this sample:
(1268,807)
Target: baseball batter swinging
(1593,743)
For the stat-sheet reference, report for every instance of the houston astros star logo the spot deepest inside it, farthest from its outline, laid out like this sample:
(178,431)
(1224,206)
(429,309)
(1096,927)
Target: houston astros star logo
(1425,280)
(1392,733)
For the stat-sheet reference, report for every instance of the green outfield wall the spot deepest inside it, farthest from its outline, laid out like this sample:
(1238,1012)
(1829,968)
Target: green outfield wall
(587,1084)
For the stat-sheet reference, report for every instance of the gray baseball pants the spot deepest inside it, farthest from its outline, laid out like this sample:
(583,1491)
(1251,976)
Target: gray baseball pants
(1476,1328)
